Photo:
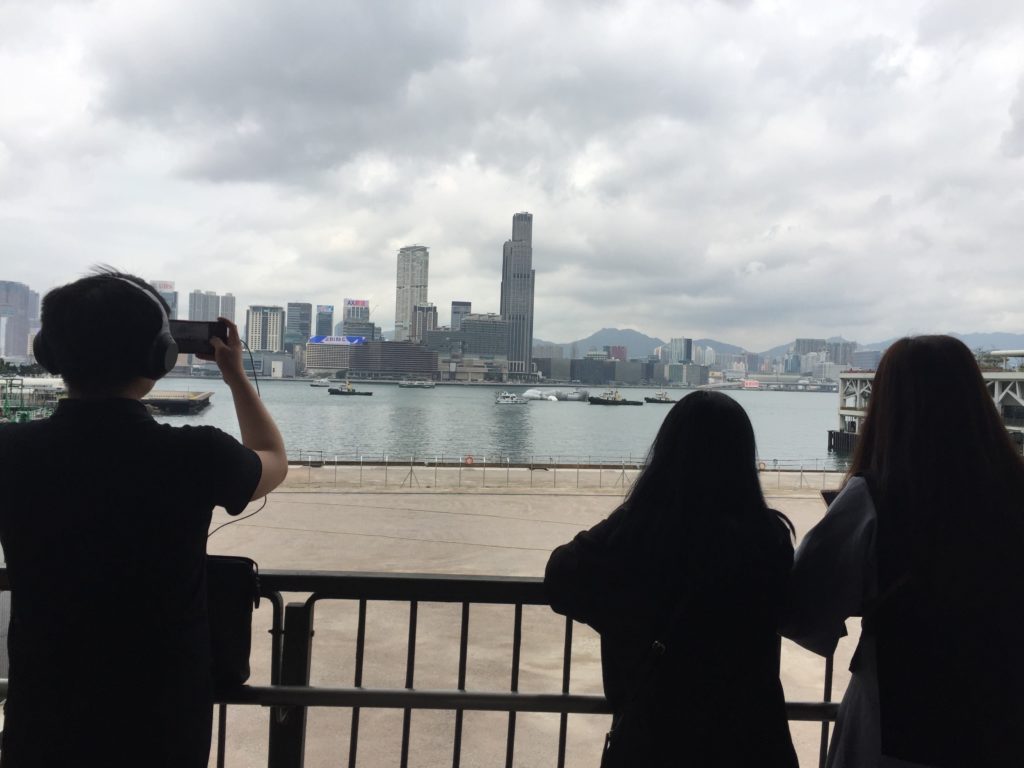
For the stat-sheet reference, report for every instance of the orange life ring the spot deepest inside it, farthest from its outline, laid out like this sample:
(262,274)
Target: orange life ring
(761,466)
(469,459)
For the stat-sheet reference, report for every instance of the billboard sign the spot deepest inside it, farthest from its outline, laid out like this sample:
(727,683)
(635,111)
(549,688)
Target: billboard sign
(337,339)
(325,309)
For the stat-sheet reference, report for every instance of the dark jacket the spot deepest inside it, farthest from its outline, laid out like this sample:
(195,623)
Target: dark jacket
(724,579)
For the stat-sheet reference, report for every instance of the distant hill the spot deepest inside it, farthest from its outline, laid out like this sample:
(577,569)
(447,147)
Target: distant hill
(637,344)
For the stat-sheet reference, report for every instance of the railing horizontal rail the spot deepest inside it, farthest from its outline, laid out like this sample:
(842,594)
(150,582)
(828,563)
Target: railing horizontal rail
(400,698)
(403,587)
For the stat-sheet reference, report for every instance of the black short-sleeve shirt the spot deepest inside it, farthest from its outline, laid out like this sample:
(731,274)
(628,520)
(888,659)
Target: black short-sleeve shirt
(103,523)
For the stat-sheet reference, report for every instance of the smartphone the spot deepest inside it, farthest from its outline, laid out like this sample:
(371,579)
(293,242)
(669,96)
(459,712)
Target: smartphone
(829,496)
(194,335)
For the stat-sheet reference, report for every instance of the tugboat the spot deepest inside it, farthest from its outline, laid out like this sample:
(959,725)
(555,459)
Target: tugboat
(661,396)
(347,389)
(509,398)
(612,397)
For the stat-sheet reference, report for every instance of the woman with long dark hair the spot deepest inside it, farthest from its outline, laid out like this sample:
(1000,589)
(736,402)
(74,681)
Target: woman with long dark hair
(926,543)
(684,582)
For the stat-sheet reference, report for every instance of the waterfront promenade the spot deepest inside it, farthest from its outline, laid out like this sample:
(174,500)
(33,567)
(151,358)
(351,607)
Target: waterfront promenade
(319,521)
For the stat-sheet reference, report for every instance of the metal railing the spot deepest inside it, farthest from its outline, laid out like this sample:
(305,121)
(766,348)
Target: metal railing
(469,471)
(290,694)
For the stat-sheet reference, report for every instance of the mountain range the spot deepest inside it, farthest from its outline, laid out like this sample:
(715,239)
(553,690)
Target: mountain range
(640,345)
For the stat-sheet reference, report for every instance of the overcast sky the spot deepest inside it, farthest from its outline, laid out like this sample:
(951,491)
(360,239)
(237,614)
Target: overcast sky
(748,171)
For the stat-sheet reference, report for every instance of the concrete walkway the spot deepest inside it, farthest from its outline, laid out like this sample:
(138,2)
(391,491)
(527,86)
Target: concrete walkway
(442,527)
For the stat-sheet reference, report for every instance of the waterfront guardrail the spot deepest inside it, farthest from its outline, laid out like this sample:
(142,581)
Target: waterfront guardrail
(290,695)
(323,471)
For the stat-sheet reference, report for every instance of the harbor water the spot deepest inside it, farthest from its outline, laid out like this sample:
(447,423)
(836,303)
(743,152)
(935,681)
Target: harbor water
(453,421)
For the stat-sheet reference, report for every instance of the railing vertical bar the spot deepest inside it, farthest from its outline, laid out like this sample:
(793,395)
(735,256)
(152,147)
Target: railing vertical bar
(563,720)
(517,643)
(827,696)
(222,726)
(410,668)
(353,744)
(463,649)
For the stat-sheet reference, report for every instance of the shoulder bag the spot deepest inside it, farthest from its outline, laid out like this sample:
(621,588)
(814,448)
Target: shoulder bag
(233,591)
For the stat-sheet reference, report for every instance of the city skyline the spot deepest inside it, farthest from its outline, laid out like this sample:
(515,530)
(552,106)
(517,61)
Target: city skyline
(743,169)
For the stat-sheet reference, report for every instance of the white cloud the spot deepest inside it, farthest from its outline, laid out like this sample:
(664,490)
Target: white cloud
(750,171)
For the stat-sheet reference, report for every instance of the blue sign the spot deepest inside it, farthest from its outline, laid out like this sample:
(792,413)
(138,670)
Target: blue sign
(337,339)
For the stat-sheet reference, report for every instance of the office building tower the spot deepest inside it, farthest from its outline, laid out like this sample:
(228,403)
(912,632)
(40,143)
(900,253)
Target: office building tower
(459,311)
(166,290)
(324,319)
(424,318)
(410,287)
(363,328)
(517,282)
(616,352)
(805,346)
(264,328)
(203,305)
(680,350)
(15,309)
(356,310)
(298,324)
(227,306)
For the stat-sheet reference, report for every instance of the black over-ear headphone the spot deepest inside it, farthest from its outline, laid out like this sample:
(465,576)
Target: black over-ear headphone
(160,357)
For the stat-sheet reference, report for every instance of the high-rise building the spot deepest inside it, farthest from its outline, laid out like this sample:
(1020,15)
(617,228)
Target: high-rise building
(617,352)
(299,323)
(324,319)
(356,310)
(410,287)
(166,290)
(264,328)
(517,282)
(203,305)
(459,311)
(15,315)
(804,346)
(424,318)
(227,306)
(680,350)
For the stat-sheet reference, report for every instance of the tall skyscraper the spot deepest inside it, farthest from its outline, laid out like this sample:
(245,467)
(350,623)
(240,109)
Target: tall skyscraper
(356,310)
(166,290)
(324,319)
(203,305)
(227,306)
(460,309)
(15,309)
(299,323)
(424,318)
(680,350)
(264,328)
(410,287)
(517,280)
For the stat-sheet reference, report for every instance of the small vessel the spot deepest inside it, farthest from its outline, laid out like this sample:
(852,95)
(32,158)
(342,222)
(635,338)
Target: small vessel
(661,396)
(320,383)
(509,398)
(416,384)
(346,389)
(612,397)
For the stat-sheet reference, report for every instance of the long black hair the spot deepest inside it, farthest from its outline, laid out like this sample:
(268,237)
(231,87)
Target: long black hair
(949,480)
(701,471)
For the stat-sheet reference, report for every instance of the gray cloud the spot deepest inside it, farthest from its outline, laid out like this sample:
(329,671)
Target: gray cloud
(707,168)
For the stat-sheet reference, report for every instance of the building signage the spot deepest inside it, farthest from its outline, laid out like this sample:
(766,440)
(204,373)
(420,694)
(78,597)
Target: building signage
(337,339)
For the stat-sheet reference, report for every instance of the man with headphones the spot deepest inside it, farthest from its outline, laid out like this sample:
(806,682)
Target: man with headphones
(103,525)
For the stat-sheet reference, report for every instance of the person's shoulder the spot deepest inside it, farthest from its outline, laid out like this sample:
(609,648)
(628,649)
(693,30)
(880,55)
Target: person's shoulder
(854,500)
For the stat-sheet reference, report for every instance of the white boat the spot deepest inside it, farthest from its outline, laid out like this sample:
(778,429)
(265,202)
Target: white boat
(320,383)
(416,384)
(509,398)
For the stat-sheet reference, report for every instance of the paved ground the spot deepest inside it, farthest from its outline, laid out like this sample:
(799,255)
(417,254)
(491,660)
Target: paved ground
(453,525)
